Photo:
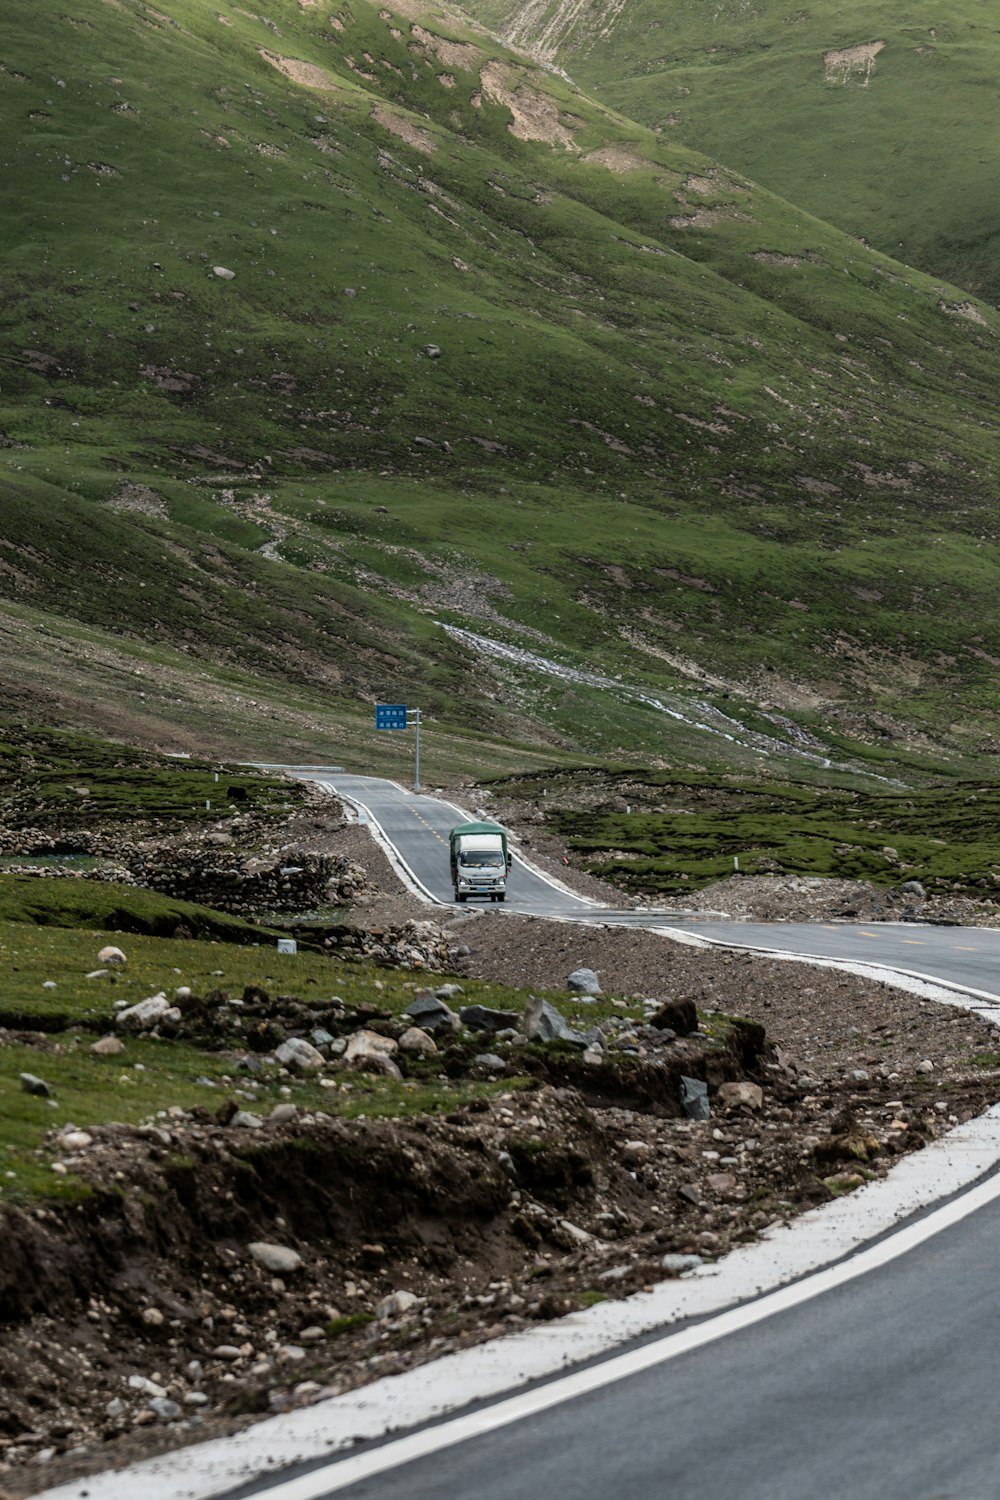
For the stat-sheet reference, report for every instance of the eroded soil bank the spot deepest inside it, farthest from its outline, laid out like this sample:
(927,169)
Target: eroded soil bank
(151,1310)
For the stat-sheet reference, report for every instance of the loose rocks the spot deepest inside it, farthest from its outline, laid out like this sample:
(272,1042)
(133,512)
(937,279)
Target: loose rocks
(280,1259)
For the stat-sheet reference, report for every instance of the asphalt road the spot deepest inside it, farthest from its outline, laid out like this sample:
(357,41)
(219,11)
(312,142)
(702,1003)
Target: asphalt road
(884,1388)
(418,827)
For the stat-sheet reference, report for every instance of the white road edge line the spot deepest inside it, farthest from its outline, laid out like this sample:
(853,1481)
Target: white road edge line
(718,1292)
(347,1471)
(413,881)
(810,1246)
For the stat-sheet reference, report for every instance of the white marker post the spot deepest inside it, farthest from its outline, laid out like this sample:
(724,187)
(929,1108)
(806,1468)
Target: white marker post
(416,760)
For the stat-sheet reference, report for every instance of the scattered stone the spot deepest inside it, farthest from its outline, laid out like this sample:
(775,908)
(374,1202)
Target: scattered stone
(731,1095)
(676,1265)
(148,1387)
(153,1317)
(282,1113)
(148,1013)
(281,1259)
(107,1046)
(634,1153)
(243,1119)
(543,1023)
(416,1040)
(165,1409)
(37,1086)
(367,1044)
(481,1018)
(721,1182)
(396,1304)
(75,1140)
(584,982)
(680,1016)
(111,955)
(431,1014)
(491,1061)
(299,1056)
(925,1067)
(224,273)
(694,1099)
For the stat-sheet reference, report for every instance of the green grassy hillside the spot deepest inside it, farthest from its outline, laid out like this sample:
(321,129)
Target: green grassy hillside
(878,119)
(326,330)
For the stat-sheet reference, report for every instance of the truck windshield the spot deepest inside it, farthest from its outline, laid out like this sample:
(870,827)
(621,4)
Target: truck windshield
(482,859)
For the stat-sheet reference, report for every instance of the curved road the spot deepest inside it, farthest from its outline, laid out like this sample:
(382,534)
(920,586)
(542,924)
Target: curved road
(881,1389)
(417,828)
(874,1378)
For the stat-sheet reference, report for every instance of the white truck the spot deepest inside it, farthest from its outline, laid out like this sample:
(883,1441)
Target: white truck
(480,861)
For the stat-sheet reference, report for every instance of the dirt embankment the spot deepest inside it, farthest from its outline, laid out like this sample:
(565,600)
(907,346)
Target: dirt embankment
(216,1272)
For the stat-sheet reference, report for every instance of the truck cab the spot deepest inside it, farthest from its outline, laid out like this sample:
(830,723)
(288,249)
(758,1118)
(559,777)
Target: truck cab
(480,861)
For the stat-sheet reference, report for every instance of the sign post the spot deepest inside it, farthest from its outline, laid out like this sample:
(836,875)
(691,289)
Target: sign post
(397,716)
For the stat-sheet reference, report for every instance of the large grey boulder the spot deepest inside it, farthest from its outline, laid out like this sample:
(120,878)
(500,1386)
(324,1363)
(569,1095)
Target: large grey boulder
(416,1040)
(731,1095)
(584,982)
(694,1099)
(147,1014)
(543,1023)
(369,1044)
(299,1055)
(481,1018)
(431,1014)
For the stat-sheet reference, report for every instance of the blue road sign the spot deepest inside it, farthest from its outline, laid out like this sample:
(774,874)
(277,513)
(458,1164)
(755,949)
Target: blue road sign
(390,716)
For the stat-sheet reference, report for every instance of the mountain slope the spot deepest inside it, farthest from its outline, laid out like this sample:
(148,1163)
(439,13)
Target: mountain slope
(330,329)
(881,120)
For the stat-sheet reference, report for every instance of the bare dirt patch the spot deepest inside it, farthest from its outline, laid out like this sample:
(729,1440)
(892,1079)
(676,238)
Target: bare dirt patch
(846,63)
(138,498)
(461,55)
(967,310)
(535,117)
(707,218)
(308,74)
(404,127)
(775,258)
(617,159)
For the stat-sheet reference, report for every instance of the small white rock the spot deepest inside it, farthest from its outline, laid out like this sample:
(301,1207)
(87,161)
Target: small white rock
(281,1259)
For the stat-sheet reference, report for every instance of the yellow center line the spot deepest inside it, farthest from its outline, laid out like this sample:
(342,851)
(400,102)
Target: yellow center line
(915,942)
(964,948)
